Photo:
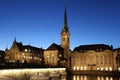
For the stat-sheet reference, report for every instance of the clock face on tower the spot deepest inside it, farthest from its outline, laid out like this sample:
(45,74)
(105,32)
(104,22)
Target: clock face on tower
(64,33)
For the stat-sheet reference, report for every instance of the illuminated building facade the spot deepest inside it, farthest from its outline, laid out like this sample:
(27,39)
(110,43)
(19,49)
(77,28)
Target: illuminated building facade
(59,53)
(54,56)
(23,53)
(117,56)
(98,57)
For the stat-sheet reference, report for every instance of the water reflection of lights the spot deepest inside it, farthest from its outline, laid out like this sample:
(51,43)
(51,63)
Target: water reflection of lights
(79,68)
(76,77)
(79,77)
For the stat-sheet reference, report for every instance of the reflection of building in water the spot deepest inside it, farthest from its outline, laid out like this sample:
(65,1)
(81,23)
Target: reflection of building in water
(77,77)
(95,57)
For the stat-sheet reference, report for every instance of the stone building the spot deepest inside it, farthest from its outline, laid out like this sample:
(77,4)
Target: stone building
(54,56)
(62,50)
(99,57)
(117,57)
(23,53)
(65,40)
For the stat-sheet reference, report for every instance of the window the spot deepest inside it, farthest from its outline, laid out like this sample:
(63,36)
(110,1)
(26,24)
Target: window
(59,55)
(25,50)
(64,39)
(68,39)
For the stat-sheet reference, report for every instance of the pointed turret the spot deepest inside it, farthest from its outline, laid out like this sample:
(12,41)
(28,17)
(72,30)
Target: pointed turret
(6,49)
(15,39)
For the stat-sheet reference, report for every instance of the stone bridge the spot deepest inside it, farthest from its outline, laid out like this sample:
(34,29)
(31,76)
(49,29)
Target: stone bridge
(33,74)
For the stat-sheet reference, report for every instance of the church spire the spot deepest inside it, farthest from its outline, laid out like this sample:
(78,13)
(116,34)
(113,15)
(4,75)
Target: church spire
(65,26)
(15,39)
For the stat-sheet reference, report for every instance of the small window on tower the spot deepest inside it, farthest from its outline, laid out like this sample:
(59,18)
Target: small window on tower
(63,39)
(68,39)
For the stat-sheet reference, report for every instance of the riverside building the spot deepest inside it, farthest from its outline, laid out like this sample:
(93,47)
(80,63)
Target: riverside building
(95,57)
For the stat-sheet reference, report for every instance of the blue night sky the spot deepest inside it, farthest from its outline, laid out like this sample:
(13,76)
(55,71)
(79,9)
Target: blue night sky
(39,22)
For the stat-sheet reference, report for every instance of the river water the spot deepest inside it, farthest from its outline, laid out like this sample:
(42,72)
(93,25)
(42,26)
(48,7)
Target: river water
(92,77)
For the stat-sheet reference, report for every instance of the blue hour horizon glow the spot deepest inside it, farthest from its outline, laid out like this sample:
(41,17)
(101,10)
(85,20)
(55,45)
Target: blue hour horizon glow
(39,22)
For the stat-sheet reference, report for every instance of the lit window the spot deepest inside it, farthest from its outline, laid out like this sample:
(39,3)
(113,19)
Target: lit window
(74,68)
(85,68)
(25,50)
(110,68)
(98,68)
(101,68)
(22,61)
(60,55)
(40,59)
(77,68)
(81,68)
(106,69)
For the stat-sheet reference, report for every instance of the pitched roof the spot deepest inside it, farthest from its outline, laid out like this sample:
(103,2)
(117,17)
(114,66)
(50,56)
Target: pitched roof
(93,47)
(1,51)
(117,49)
(54,47)
(20,45)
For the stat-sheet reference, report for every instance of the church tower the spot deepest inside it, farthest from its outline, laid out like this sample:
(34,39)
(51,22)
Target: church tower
(65,37)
